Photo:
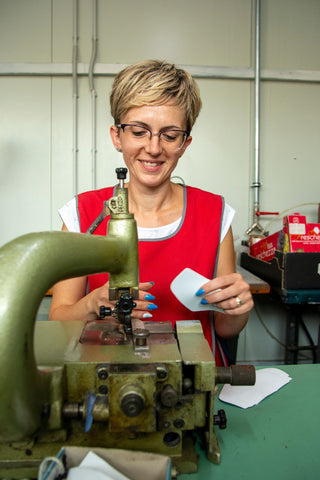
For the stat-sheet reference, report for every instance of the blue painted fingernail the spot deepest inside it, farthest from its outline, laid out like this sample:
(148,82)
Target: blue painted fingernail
(204,301)
(152,306)
(149,297)
(147,315)
(200,292)
(152,283)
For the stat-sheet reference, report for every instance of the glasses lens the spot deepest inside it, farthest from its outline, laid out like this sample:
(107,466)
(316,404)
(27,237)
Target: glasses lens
(173,139)
(137,132)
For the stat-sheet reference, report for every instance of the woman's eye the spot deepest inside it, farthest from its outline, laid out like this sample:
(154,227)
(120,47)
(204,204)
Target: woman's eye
(138,132)
(170,136)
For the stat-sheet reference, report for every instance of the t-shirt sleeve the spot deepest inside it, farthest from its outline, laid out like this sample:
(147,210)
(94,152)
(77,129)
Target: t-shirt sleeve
(69,215)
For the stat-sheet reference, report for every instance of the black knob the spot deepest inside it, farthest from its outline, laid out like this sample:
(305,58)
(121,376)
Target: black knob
(105,311)
(121,173)
(220,419)
(125,304)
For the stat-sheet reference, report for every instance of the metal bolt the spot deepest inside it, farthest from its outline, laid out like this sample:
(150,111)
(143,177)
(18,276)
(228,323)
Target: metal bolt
(179,423)
(102,373)
(162,372)
(103,389)
(141,335)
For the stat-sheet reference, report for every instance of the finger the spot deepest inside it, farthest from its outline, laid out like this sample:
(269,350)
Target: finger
(145,285)
(222,288)
(144,310)
(145,305)
(242,303)
(144,292)
(220,283)
(142,315)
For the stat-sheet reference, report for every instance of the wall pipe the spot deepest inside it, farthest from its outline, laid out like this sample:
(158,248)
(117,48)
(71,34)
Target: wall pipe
(256,185)
(75,96)
(93,93)
(16,69)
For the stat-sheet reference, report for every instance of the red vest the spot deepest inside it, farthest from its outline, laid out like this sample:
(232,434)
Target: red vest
(195,245)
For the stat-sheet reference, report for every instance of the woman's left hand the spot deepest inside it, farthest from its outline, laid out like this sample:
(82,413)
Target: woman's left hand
(229,292)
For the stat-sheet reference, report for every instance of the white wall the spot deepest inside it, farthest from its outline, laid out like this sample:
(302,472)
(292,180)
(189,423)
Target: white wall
(36,120)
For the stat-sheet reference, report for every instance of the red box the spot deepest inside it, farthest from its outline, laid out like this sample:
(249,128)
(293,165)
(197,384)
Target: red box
(264,249)
(295,224)
(309,241)
(296,236)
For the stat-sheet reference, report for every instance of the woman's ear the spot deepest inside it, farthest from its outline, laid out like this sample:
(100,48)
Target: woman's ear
(114,133)
(186,145)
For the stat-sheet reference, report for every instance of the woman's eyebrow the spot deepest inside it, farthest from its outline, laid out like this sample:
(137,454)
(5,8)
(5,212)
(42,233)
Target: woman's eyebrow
(143,124)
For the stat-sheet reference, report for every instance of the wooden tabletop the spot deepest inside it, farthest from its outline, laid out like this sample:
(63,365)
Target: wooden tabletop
(257,285)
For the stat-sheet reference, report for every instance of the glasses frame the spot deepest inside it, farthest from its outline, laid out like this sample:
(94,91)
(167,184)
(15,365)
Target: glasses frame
(186,133)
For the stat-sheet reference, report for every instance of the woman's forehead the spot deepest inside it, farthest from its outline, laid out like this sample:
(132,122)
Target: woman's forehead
(168,114)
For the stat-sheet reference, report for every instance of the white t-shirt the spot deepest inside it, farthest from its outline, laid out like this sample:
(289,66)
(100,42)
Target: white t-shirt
(69,216)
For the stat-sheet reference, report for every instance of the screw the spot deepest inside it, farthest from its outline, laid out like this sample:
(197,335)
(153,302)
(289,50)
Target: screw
(102,374)
(162,373)
(179,423)
(103,389)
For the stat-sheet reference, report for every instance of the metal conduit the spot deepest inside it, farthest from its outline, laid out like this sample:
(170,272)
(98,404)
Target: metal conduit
(256,174)
(197,71)
(93,93)
(75,95)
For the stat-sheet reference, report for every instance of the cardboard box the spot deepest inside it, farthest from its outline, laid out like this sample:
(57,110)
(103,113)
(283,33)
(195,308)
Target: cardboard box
(294,224)
(296,236)
(265,249)
(302,236)
(309,241)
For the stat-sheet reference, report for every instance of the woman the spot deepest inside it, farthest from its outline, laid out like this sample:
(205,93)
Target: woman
(154,106)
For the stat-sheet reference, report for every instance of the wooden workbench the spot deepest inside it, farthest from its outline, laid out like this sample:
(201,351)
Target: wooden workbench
(257,285)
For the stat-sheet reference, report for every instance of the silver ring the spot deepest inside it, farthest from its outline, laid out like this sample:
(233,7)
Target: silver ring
(238,300)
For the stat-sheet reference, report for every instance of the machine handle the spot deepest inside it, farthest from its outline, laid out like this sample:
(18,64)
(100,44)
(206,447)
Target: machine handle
(105,311)
(89,418)
(220,419)
(258,213)
(236,375)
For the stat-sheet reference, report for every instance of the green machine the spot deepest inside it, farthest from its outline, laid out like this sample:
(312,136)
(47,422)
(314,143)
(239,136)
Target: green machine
(117,382)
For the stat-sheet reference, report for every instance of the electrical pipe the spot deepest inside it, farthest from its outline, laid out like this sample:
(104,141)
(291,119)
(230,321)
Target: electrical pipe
(256,183)
(75,96)
(16,69)
(93,93)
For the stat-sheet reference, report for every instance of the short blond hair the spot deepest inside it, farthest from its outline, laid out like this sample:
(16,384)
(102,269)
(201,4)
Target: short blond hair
(154,82)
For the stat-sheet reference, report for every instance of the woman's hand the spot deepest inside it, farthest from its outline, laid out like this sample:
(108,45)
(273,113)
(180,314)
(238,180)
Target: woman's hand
(229,292)
(144,305)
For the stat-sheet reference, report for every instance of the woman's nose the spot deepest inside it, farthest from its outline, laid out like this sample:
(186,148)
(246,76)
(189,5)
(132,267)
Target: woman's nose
(154,145)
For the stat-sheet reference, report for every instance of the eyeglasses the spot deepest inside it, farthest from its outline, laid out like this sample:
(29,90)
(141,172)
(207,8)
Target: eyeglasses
(171,139)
